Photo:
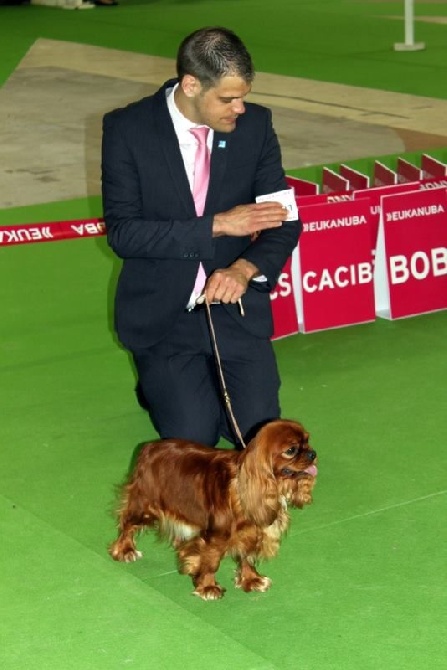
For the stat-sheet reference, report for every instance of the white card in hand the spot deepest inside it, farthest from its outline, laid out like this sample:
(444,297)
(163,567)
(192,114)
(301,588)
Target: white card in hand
(286,198)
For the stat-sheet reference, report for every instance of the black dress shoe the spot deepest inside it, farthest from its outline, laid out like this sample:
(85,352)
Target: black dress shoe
(105,3)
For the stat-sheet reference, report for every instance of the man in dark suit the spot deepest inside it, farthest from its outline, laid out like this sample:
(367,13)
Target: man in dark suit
(152,223)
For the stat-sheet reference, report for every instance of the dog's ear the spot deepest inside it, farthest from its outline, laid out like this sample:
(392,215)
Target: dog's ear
(257,486)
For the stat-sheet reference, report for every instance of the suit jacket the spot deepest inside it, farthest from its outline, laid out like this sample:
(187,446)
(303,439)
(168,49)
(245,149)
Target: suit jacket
(151,222)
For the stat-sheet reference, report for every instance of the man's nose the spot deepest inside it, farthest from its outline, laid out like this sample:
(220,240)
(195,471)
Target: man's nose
(238,107)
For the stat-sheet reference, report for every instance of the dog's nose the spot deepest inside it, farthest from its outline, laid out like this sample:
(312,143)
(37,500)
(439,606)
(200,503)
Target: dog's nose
(311,455)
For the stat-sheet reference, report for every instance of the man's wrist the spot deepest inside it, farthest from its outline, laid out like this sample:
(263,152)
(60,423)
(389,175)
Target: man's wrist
(218,225)
(249,270)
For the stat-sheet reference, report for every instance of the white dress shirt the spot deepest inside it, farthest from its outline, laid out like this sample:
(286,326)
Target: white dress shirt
(188,148)
(187,142)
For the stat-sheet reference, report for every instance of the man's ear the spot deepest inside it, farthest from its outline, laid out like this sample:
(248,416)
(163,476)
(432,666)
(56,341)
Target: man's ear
(190,86)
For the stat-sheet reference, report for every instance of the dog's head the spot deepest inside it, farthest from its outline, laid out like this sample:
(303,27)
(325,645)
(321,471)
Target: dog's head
(279,466)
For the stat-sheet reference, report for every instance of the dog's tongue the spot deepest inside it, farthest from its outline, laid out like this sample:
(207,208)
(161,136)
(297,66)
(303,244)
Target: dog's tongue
(311,470)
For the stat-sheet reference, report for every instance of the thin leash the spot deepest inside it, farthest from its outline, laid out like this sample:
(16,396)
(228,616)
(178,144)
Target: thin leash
(221,375)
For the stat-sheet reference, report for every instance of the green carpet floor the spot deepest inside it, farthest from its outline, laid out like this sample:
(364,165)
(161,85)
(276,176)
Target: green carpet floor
(360,580)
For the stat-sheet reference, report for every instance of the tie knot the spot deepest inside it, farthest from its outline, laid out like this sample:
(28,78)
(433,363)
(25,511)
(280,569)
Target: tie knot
(201,134)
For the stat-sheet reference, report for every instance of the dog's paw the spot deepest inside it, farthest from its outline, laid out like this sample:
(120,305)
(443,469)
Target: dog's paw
(257,583)
(132,556)
(124,553)
(304,498)
(214,592)
(303,494)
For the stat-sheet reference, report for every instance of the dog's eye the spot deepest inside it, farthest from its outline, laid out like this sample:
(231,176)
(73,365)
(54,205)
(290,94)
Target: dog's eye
(291,451)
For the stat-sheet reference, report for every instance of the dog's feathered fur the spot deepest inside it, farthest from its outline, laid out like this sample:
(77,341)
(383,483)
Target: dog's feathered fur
(210,503)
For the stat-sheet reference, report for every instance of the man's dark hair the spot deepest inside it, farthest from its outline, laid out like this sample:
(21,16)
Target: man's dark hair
(212,53)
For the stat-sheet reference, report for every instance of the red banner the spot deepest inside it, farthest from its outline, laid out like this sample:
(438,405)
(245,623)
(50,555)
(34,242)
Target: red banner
(323,198)
(411,259)
(50,232)
(332,279)
(335,266)
(375,196)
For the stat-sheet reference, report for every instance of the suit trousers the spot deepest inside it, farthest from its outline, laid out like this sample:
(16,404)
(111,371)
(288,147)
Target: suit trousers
(181,386)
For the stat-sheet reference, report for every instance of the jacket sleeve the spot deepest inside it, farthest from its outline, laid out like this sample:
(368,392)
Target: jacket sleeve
(271,249)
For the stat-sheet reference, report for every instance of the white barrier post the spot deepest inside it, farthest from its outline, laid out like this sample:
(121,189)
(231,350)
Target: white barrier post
(409,44)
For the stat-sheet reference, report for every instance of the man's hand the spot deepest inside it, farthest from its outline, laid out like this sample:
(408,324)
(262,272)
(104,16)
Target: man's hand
(229,285)
(249,219)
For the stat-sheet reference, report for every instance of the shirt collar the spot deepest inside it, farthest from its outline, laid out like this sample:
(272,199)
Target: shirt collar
(181,123)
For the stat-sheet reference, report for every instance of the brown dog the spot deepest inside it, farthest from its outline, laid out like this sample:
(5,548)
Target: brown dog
(210,503)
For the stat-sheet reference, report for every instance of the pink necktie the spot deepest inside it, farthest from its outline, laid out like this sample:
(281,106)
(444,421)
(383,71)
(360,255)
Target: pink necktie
(200,189)
(201,169)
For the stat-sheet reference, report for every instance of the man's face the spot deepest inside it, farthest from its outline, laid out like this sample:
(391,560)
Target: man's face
(220,106)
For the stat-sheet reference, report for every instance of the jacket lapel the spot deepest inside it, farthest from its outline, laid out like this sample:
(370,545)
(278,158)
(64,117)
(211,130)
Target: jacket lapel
(219,155)
(169,148)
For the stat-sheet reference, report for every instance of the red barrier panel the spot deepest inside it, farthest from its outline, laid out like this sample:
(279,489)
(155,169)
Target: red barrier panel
(375,197)
(283,299)
(335,266)
(329,281)
(302,186)
(411,259)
